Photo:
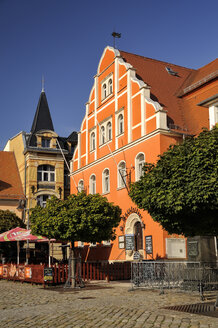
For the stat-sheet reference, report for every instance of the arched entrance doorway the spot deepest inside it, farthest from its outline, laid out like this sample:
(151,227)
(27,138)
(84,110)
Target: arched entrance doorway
(134,227)
(138,236)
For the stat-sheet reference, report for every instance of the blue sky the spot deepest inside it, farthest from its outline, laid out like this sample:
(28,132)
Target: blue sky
(64,40)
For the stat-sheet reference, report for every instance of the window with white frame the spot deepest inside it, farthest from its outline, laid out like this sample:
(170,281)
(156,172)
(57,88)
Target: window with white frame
(92,244)
(45,142)
(80,186)
(140,162)
(104,89)
(92,184)
(102,135)
(109,131)
(92,141)
(121,175)
(46,173)
(107,87)
(106,181)
(120,124)
(110,86)
(42,199)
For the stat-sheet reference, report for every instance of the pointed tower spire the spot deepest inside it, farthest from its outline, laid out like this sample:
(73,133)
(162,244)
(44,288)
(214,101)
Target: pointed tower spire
(42,119)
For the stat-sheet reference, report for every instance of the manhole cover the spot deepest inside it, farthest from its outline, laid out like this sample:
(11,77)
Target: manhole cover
(207,309)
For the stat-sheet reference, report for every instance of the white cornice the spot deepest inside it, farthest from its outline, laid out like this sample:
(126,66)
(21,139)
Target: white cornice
(122,149)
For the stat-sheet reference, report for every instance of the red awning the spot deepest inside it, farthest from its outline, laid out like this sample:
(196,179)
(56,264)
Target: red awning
(19,234)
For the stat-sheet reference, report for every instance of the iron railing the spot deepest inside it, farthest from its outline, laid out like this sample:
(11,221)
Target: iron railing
(184,275)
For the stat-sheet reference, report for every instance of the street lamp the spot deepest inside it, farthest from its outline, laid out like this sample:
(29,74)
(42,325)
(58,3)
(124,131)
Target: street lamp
(22,207)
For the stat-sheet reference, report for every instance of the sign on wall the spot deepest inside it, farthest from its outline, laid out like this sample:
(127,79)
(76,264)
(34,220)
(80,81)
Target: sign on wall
(148,245)
(48,274)
(121,240)
(130,242)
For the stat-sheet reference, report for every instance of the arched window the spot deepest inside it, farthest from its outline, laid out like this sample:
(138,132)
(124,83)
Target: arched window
(42,199)
(92,184)
(109,131)
(46,173)
(110,86)
(104,90)
(106,181)
(140,162)
(120,124)
(102,132)
(80,186)
(121,175)
(92,141)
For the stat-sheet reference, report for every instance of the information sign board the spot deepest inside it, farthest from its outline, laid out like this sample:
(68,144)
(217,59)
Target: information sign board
(130,242)
(148,245)
(48,274)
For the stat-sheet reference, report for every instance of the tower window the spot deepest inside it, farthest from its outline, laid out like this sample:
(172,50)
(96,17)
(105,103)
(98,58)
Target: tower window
(46,173)
(46,142)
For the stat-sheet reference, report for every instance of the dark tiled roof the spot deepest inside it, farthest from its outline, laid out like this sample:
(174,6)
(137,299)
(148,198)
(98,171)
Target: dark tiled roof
(42,119)
(200,76)
(164,86)
(73,137)
(10,183)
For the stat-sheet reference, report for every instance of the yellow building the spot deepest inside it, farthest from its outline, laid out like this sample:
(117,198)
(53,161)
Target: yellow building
(41,157)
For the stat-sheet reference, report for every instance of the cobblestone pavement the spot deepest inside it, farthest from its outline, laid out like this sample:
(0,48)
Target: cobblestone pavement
(99,304)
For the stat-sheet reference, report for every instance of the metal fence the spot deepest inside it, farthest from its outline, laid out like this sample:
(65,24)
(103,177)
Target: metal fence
(184,275)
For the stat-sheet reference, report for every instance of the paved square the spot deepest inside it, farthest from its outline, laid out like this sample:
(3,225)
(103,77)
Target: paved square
(98,305)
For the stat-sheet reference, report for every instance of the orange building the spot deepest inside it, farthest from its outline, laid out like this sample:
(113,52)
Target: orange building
(138,107)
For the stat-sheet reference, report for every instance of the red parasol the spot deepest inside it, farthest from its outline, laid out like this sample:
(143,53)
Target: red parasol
(20,234)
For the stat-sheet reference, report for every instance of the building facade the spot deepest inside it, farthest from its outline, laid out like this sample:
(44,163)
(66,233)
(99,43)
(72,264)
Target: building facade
(42,158)
(137,108)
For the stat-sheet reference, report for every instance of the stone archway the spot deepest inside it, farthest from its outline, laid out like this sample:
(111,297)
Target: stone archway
(133,226)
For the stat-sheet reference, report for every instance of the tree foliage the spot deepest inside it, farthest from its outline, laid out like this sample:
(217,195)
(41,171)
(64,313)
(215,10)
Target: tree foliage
(180,191)
(9,220)
(88,218)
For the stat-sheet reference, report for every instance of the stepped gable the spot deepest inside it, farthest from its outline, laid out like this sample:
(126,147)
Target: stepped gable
(164,85)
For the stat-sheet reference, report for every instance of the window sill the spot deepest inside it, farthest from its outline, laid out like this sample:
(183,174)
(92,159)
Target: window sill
(104,144)
(106,193)
(107,97)
(120,188)
(119,135)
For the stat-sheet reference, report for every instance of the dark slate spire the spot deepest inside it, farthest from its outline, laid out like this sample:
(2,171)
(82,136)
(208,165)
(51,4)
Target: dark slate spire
(42,119)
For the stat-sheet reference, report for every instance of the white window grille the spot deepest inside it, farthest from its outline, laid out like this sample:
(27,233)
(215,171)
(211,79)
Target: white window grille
(92,184)
(46,173)
(109,131)
(121,175)
(42,199)
(92,141)
(106,181)
(140,162)
(120,124)
(45,143)
(80,186)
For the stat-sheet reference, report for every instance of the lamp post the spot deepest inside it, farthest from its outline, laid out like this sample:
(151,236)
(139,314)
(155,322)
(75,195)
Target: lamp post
(22,207)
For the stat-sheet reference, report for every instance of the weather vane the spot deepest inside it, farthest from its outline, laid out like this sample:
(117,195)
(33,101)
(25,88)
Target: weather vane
(116,35)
